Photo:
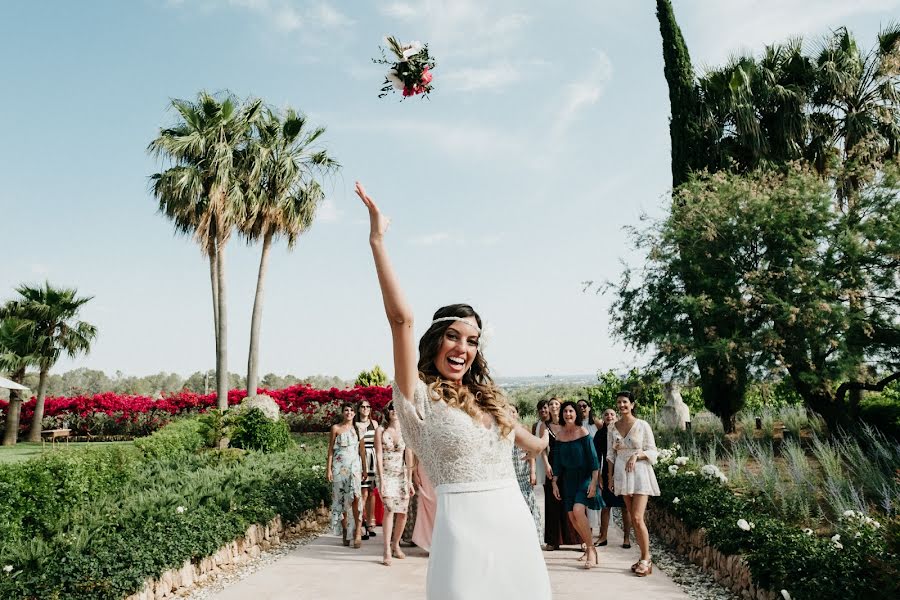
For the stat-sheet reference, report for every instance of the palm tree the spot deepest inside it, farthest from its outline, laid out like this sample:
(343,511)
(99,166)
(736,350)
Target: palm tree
(17,352)
(203,190)
(53,314)
(283,163)
(857,101)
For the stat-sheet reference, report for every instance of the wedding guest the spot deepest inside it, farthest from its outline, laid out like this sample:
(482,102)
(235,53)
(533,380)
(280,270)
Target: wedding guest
(366,427)
(426,510)
(558,529)
(543,414)
(576,472)
(343,468)
(586,417)
(632,454)
(406,539)
(525,473)
(392,460)
(610,500)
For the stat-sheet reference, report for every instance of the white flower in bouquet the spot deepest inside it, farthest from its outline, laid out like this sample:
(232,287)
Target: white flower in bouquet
(681,460)
(849,513)
(785,595)
(743,524)
(673,469)
(411,49)
(690,472)
(722,478)
(394,79)
(8,568)
(180,509)
(676,500)
(836,540)
(808,531)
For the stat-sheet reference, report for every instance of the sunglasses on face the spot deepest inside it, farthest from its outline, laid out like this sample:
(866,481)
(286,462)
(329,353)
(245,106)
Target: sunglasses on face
(365,406)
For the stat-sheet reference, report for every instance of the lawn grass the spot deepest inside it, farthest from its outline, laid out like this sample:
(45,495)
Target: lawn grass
(24,450)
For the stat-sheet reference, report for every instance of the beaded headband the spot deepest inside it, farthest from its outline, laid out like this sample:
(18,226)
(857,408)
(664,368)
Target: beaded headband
(463,319)
(484,333)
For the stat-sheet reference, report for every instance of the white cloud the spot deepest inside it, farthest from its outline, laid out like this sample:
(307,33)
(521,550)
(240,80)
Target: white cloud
(284,15)
(581,94)
(430,239)
(399,10)
(480,79)
(753,24)
(328,212)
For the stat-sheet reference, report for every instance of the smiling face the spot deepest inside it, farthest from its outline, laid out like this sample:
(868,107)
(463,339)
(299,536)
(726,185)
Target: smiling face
(348,413)
(609,416)
(625,406)
(365,410)
(544,412)
(569,415)
(457,350)
(554,408)
(584,408)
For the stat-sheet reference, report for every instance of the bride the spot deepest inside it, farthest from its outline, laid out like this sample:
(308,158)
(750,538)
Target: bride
(454,418)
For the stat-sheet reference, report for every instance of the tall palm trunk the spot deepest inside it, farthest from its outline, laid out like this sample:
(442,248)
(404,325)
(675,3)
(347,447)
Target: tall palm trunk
(11,432)
(213,277)
(222,340)
(34,434)
(256,320)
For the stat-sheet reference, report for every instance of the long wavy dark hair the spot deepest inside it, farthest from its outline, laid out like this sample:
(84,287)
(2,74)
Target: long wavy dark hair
(479,392)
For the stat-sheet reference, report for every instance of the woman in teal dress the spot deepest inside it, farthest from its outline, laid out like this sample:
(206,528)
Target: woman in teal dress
(575,462)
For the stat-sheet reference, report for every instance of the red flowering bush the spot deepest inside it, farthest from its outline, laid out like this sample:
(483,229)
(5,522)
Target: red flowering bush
(304,408)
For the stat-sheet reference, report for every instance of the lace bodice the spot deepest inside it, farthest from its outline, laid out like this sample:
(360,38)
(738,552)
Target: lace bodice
(453,447)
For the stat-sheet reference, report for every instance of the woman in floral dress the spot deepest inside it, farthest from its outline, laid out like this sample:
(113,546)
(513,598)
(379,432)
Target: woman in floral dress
(392,461)
(527,477)
(346,455)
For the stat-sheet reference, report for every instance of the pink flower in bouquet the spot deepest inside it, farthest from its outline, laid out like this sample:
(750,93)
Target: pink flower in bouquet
(426,76)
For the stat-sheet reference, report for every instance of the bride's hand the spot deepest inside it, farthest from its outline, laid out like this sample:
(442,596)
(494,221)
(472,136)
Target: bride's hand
(378,223)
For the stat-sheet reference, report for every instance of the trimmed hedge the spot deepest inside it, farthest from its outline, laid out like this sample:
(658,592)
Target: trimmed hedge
(164,504)
(862,562)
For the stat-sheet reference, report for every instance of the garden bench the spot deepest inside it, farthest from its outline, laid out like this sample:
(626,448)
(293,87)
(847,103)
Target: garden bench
(52,434)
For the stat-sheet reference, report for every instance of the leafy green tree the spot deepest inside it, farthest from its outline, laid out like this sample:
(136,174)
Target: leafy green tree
(779,242)
(53,313)
(203,192)
(722,372)
(284,163)
(18,351)
(374,377)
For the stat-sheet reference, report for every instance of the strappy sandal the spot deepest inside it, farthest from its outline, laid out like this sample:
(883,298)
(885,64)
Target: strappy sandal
(644,568)
(398,553)
(635,566)
(386,561)
(590,565)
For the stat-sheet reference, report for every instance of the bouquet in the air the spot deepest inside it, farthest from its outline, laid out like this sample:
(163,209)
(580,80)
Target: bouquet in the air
(410,70)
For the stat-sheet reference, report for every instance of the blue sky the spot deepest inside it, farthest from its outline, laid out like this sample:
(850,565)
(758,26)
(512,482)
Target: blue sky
(547,133)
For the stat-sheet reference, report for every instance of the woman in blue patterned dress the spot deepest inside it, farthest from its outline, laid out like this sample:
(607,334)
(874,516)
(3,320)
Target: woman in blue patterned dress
(346,454)
(527,477)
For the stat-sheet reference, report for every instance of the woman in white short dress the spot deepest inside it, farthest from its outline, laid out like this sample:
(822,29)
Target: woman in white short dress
(456,421)
(631,452)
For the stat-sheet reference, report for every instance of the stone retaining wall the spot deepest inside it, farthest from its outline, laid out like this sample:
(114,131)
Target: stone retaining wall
(230,556)
(729,570)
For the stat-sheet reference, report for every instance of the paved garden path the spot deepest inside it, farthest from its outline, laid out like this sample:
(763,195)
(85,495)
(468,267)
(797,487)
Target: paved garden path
(326,570)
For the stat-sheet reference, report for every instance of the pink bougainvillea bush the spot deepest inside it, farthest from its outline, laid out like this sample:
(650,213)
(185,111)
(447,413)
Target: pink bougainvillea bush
(110,414)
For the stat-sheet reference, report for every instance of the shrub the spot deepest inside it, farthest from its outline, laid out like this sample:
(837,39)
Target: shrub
(173,440)
(167,513)
(882,412)
(252,430)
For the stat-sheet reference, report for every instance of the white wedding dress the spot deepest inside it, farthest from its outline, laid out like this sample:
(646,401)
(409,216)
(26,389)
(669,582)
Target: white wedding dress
(484,544)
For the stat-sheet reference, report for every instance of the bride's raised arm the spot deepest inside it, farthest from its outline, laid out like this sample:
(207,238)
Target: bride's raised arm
(399,314)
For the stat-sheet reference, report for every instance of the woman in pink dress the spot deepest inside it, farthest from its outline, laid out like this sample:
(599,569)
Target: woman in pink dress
(426,511)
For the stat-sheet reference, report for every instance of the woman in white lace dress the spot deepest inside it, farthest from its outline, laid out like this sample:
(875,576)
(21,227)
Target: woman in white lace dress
(456,421)
(631,452)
